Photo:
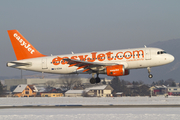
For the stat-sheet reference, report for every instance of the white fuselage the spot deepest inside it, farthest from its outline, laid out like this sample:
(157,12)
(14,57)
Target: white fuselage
(131,59)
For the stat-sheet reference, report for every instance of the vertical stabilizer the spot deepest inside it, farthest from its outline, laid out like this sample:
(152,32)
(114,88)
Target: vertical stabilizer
(22,48)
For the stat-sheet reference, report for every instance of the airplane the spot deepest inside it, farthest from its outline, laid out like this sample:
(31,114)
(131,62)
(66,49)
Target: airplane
(112,62)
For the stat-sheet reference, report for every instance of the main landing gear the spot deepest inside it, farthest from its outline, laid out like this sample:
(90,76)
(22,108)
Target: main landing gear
(95,80)
(149,71)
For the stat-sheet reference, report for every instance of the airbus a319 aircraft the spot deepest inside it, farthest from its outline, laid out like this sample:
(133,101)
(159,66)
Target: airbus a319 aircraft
(111,62)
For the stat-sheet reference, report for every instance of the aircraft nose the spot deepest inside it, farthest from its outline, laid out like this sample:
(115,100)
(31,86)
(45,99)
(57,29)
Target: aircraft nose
(171,58)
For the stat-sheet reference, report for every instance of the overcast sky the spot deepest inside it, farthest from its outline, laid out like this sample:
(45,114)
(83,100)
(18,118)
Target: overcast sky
(61,26)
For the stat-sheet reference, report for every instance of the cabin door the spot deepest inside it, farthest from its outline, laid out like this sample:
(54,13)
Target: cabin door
(44,63)
(148,54)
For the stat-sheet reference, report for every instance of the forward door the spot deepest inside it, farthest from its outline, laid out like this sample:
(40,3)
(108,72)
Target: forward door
(148,54)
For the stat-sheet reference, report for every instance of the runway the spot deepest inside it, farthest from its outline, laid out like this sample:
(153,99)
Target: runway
(90,113)
(92,106)
(80,102)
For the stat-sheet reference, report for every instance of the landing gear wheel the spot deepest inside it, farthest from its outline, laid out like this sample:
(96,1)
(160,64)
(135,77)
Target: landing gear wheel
(92,80)
(149,71)
(150,75)
(95,80)
(98,80)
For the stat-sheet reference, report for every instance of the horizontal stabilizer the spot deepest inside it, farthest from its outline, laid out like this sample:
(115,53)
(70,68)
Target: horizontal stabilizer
(15,64)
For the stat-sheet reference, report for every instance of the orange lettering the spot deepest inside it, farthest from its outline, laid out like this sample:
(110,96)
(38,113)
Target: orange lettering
(101,57)
(109,55)
(137,52)
(117,55)
(64,62)
(82,58)
(57,60)
(93,57)
(74,57)
(127,56)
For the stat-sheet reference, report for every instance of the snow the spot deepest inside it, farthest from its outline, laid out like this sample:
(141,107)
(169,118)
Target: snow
(143,113)
(91,113)
(89,101)
(20,88)
(74,92)
(102,87)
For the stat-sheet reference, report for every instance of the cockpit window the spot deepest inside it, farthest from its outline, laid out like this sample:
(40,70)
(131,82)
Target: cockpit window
(161,52)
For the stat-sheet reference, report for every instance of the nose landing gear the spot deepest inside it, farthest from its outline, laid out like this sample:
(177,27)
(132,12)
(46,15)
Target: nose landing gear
(149,71)
(95,80)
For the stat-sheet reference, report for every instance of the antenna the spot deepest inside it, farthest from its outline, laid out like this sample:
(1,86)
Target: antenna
(145,46)
(72,52)
(21,74)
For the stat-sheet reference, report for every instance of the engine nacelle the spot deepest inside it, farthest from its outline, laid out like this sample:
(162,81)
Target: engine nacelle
(116,70)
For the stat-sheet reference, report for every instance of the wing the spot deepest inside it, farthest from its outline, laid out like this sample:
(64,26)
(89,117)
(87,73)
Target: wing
(95,66)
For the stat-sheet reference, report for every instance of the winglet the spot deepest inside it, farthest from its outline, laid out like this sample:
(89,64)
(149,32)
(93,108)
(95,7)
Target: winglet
(22,48)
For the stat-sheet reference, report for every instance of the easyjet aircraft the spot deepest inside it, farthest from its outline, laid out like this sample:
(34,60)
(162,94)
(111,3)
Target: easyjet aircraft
(112,62)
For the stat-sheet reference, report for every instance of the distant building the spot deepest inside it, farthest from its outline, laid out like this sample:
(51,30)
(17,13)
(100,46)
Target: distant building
(119,94)
(159,90)
(24,90)
(96,91)
(174,91)
(51,95)
(100,91)
(51,92)
(74,93)
(164,90)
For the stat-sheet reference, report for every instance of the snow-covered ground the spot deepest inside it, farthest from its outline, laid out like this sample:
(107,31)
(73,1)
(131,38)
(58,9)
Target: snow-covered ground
(89,101)
(91,114)
(144,113)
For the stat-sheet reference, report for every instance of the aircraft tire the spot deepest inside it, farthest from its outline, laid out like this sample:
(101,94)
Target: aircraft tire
(98,80)
(92,80)
(150,76)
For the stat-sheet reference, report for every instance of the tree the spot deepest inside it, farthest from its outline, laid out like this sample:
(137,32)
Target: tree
(173,84)
(153,84)
(120,86)
(144,90)
(170,82)
(50,83)
(116,84)
(69,81)
(1,89)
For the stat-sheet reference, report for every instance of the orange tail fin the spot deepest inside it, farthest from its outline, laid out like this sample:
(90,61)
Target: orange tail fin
(22,48)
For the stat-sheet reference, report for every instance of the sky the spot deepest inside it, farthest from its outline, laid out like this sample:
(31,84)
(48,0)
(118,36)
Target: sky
(60,26)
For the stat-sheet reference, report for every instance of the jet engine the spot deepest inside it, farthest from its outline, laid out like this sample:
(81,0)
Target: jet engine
(116,70)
